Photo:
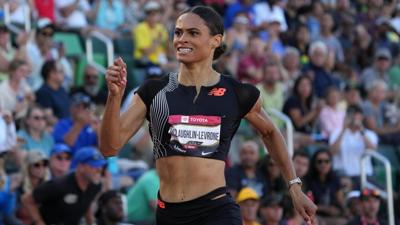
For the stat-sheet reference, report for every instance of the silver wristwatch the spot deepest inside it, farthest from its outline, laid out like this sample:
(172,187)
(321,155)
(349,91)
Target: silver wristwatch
(296,180)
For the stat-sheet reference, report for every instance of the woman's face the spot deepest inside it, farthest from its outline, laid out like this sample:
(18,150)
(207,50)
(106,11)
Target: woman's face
(21,72)
(192,40)
(304,88)
(333,98)
(323,163)
(303,35)
(38,169)
(36,120)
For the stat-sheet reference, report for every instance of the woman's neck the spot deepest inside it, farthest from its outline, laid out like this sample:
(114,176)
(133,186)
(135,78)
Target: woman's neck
(197,75)
(35,181)
(323,177)
(35,134)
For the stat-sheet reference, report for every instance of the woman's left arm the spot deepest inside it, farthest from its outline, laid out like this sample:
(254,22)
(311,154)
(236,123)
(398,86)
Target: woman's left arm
(273,140)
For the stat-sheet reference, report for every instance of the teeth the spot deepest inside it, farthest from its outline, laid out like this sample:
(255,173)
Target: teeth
(184,50)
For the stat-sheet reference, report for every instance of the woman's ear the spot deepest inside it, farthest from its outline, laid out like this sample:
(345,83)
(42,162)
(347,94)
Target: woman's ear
(217,40)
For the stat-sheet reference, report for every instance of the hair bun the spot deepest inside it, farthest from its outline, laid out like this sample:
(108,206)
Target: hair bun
(220,50)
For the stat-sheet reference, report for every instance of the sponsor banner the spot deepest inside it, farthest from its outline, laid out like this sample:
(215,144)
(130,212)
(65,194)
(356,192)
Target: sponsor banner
(195,120)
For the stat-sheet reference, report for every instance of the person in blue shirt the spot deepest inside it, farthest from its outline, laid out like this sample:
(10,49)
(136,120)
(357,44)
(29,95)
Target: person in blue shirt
(51,94)
(80,130)
(33,133)
(242,6)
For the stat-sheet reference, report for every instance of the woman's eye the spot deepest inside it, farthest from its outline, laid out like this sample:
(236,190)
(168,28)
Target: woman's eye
(194,33)
(177,33)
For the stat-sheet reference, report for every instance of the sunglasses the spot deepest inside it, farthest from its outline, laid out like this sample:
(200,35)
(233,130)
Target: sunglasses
(321,161)
(38,165)
(65,158)
(38,117)
(47,33)
(91,77)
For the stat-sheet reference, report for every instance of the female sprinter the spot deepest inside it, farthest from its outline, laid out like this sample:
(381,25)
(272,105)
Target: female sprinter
(193,115)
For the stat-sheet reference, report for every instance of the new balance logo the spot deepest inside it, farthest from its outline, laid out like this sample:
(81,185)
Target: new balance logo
(217,91)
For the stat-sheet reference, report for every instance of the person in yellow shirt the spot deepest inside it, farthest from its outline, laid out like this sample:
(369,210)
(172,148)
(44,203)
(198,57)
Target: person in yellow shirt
(248,201)
(150,38)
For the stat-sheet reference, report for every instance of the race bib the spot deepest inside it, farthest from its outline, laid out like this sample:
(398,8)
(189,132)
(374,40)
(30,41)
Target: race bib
(195,135)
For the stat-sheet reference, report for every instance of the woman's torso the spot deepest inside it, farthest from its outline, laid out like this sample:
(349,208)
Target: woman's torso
(192,133)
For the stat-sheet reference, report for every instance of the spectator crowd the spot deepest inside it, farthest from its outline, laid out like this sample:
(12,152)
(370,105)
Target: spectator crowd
(331,66)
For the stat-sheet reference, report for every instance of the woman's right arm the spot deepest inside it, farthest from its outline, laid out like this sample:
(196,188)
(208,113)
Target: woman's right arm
(116,129)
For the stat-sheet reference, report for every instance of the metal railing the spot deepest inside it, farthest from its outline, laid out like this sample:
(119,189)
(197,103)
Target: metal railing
(27,18)
(289,128)
(89,50)
(388,193)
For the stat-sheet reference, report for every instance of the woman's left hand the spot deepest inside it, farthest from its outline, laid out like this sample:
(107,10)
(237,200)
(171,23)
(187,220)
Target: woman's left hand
(303,204)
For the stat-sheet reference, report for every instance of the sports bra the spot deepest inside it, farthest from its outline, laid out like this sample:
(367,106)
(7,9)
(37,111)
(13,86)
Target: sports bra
(182,124)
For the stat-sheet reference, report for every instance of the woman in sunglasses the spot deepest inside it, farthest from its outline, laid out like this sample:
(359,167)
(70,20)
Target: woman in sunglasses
(33,134)
(324,187)
(34,172)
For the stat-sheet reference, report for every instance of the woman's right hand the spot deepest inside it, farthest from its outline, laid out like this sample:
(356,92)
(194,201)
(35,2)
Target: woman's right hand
(116,77)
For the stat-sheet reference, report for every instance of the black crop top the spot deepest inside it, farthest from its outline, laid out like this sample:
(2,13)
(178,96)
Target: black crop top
(181,124)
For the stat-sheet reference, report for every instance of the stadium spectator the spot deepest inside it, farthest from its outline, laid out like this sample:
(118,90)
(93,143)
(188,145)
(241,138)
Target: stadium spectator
(60,160)
(109,17)
(8,133)
(91,86)
(324,186)
(240,6)
(8,52)
(110,210)
(271,210)
(301,41)
(35,172)
(302,109)
(251,63)
(329,38)
(142,199)
(16,94)
(274,182)
(265,12)
(70,14)
(43,48)
(51,94)
(80,130)
(246,173)
(314,19)
(33,134)
(331,117)
(43,9)
(67,199)
(352,95)
(319,57)
(291,67)
(378,119)
(349,143)
(249,201)
(237,39)
(380,68)
(272,90)
(353,205)
(363,48)
(370,204)
(151,38)
(8,194)
(301,163)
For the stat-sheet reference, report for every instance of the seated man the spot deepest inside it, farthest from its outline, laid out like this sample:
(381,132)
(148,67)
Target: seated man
(60,160)
(80,130)
(67,199)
